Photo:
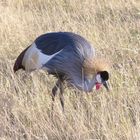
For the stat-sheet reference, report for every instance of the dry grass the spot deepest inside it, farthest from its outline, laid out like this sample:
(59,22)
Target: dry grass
(25,102)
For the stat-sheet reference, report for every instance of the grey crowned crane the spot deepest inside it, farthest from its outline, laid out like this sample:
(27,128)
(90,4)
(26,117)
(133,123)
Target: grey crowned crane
(67,56)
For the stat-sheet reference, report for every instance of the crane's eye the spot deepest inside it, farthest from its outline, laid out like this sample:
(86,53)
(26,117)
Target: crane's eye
(104,75)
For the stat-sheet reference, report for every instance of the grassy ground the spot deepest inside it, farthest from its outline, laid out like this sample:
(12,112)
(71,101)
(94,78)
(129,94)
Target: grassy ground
(113,27)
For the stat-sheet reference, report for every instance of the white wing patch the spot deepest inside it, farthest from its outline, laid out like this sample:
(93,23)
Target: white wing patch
(35,59)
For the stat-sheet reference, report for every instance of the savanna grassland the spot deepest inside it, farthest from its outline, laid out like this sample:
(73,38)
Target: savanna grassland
(113,28)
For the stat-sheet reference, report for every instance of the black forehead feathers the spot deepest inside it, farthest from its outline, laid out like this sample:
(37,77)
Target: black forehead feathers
(104,75)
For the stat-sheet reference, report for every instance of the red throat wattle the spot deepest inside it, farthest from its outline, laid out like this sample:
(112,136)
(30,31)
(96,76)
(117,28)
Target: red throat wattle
(98,85)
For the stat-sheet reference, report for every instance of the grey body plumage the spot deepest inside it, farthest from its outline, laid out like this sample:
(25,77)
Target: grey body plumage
(65,54)
(69,62)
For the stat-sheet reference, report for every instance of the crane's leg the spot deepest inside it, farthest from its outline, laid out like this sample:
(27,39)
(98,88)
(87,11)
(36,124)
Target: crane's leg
(61,94)
(58,85)
(54,92)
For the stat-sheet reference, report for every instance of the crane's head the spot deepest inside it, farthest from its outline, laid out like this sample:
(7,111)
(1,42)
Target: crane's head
(101,79)
(99,70)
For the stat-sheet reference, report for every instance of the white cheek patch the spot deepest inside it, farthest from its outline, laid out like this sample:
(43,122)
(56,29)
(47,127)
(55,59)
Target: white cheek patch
(98,78)
(35,59)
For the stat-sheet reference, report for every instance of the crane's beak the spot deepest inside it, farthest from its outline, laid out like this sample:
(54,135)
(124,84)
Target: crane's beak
(106,85)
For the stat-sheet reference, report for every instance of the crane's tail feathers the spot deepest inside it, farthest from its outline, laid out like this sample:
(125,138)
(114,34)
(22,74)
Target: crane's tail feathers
(18,63)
